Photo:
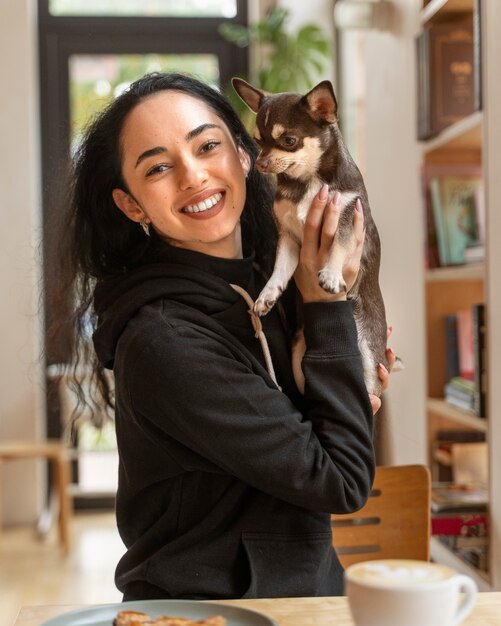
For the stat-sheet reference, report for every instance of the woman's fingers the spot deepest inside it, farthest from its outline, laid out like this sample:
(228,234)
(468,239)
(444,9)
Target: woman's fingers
(352,264)
(330,224)
(384,372)
(358,230)
(375,403)
(391,358)
(313,223)
(384,376)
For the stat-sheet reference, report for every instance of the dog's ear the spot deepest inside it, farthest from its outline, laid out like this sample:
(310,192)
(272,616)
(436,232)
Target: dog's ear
(252,96)
(321,103)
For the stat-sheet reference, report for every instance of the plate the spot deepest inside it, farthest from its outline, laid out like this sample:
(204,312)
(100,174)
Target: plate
(104,614)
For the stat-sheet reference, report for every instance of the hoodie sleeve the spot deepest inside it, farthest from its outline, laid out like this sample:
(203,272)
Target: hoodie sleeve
(187,385)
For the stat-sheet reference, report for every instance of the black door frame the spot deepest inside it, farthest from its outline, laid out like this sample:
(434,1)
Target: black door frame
(63,36)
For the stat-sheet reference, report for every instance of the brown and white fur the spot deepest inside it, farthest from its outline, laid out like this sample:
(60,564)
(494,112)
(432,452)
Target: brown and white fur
(301,144)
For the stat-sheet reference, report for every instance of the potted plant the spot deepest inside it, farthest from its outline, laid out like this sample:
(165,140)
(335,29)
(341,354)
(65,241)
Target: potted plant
(292,61)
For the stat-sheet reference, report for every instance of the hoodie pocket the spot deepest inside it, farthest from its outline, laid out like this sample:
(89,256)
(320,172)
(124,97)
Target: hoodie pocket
(288,565)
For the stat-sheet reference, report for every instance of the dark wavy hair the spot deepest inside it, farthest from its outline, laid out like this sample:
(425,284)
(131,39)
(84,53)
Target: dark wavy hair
(95,240)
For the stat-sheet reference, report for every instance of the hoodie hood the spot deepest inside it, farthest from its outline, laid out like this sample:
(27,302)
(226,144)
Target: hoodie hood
(184,276)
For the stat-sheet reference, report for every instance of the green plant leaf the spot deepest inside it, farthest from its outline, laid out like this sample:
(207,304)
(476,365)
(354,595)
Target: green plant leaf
(292,61)
(235,33)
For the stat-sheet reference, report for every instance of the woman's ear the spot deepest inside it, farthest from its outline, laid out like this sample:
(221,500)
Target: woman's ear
(245,160)
(126,203)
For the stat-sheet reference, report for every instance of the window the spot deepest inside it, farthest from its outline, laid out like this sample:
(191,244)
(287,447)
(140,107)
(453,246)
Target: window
(89,51)
(167,8)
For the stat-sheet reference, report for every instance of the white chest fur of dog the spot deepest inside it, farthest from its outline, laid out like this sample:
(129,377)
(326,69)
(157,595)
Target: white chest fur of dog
(291,219)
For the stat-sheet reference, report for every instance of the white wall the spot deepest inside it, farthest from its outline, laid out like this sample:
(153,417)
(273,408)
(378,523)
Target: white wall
(390,158)
(392,166)
(20,369)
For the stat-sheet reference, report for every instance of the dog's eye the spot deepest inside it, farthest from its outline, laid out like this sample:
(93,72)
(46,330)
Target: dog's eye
(289,141)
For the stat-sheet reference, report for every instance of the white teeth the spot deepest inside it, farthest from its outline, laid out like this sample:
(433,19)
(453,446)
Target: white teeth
(204,205)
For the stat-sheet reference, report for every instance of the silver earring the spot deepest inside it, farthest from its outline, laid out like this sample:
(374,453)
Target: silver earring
(145,225)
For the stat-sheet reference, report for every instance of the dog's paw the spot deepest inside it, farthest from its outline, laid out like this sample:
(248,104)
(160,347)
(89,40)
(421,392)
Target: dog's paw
(331,281)
(266,300)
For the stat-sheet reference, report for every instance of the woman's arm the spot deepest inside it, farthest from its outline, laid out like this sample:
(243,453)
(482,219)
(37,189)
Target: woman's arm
(197,388)
(201,398)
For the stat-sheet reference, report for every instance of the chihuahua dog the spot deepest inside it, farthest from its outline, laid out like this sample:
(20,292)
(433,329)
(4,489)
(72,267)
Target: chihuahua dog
(301,144)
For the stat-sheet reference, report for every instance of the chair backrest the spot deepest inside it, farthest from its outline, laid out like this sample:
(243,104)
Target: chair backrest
(393,524)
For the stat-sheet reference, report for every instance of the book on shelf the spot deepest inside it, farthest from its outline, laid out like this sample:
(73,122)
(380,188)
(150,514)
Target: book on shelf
(448,72)
(461,542)
(458,497)
(455,211)
(451,346)
(473,551)
(465,359)
(460,524)
(479,359)
(475,557)
(454,201)
(460,393)
(424,130)
(465,343)
(477,55)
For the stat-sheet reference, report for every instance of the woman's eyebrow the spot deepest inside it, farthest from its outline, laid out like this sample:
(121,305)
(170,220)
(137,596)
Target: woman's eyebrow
(200,129)
(149,153)
(160,149)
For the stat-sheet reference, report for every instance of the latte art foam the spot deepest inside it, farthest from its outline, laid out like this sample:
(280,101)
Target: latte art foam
(400,573)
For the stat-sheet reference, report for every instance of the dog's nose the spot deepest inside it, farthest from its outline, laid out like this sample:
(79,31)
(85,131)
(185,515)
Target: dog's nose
(263,164)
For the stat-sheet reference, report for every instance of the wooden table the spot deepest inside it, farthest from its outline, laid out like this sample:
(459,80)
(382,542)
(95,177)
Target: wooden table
(295,611)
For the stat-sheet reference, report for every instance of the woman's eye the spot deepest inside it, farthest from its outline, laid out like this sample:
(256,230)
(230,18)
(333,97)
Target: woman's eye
(158,169)
(289,141)
(210,145)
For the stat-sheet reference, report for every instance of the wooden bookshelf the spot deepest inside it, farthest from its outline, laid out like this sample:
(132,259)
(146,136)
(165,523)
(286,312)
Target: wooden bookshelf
(456,273)
(465,135)
(473,140)
(442,554)
(444,8)
(441,410)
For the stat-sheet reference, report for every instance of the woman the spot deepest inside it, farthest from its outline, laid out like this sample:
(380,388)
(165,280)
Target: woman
(227,474)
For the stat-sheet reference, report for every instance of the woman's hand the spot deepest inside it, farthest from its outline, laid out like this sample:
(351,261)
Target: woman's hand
(319,231)
(384,376)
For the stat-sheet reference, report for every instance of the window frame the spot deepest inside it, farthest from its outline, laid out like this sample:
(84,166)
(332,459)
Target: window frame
(62,36)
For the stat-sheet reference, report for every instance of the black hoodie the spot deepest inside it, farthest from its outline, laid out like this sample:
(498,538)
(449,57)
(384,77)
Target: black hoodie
(226,483)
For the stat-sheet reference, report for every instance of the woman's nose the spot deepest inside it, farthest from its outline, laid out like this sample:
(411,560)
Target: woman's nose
(191,173)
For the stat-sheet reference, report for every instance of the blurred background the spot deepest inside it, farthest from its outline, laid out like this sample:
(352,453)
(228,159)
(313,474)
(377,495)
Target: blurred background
(61,61)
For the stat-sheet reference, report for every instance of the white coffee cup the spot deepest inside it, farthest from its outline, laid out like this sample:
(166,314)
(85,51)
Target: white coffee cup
(399,592)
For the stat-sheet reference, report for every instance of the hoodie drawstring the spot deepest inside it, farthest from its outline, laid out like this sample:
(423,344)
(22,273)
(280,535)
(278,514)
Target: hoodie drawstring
(258,327)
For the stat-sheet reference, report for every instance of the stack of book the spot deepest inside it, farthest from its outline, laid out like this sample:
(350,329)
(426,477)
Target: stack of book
(459,498)
(460,392)
(460,521)
(466,375)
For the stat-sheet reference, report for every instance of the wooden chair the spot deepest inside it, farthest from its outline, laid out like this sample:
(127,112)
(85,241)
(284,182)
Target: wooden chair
(56,453)
(394,523)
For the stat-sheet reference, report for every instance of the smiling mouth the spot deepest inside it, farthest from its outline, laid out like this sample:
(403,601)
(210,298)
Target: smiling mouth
(205,205)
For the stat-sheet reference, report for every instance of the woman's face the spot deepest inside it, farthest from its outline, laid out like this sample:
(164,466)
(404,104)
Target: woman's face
(184,173)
